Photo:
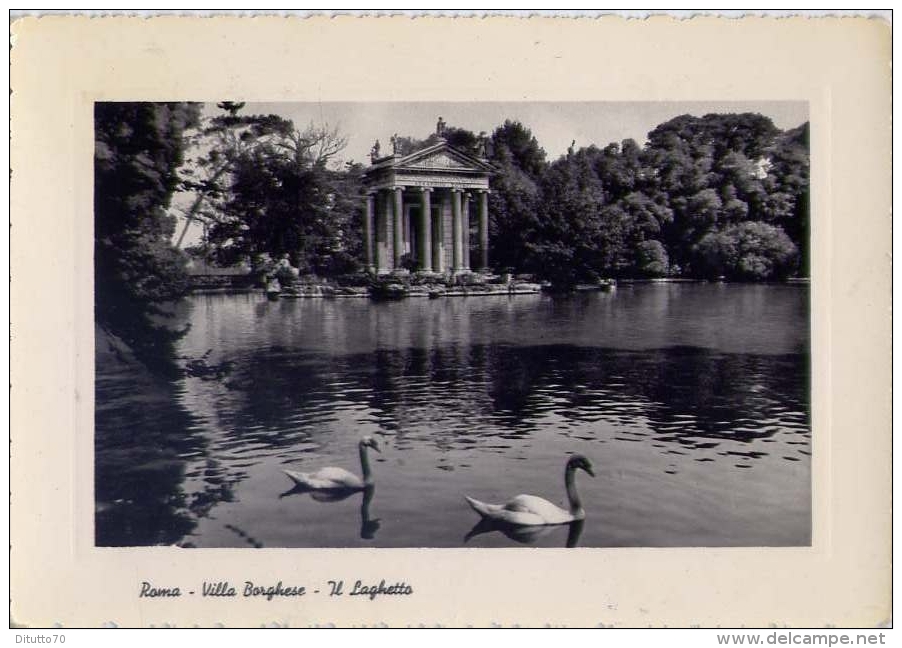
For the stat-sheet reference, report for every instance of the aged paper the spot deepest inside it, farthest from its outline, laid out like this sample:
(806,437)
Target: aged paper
(62,65)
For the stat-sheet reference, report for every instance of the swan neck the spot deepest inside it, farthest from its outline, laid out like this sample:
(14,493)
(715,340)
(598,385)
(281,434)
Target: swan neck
(365,464)
(570,481)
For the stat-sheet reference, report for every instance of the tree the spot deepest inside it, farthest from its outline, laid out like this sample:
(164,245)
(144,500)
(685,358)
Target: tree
(726,169)
(648,215)
(523,148)
(513,212)
(787,183)
(642,221)
(621,169)
(281,198)
(345,211)
(231,107)
(314,146)
(217,145)
(703,213)
(750,251)
(137,151)
(652,259)
(575,236)
(515,201)
(625,210)
(462,139)
(715,135)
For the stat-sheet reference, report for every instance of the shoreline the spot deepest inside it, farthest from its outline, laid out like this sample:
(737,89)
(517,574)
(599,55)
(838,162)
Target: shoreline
(396,290)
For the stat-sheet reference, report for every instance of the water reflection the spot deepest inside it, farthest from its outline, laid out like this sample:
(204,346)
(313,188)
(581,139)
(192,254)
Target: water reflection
(246,537)
(528,535)
(368,525)
(687,397)
(693,398)
(143,447)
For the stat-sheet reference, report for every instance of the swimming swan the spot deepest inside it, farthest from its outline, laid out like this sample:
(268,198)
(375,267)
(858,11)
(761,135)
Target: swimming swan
(338,478)
(529,510)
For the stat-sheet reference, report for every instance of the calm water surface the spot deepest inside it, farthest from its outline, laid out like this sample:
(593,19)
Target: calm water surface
(691,400)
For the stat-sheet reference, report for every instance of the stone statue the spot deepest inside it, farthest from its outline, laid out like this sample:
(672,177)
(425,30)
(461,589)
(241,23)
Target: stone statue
(394,143)
(482,146)
(440,127)
(374,152)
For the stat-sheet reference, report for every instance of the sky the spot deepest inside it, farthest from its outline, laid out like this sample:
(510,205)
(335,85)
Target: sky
(555,125)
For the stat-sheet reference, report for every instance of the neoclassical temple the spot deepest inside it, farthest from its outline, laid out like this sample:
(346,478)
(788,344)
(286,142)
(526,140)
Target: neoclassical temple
(432,205)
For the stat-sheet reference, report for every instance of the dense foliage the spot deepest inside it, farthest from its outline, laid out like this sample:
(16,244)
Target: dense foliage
(515,201)
(716,196)
(138,150)
(265,189)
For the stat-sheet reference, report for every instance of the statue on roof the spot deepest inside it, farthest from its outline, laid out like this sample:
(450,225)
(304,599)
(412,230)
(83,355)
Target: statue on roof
(482,144)
(374,152)
(440,127)
(394,144)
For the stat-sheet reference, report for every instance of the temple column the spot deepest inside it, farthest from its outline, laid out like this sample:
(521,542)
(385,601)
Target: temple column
(484,230)
(465,229)
(398,222)
(405,218)
(368,231)
(438,233)
(456,232)
(425,229)
(382,231)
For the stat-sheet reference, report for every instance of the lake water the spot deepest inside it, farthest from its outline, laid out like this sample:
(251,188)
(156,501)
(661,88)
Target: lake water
(691,401)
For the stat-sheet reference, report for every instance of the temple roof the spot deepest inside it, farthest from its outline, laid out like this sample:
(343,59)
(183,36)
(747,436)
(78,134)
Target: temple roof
(440,156)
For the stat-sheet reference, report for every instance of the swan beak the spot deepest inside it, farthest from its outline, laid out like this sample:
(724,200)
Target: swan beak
(375,446)
(589,470)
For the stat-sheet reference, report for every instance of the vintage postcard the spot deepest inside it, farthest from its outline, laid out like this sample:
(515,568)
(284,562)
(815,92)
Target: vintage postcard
(460,322)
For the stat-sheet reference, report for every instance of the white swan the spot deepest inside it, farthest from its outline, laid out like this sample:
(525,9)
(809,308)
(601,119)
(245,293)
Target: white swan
(529,510)
(338,479)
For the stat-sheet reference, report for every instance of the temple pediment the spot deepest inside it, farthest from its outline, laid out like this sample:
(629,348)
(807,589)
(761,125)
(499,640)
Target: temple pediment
(436,166)
(438,157)
(440,160)
(442,157)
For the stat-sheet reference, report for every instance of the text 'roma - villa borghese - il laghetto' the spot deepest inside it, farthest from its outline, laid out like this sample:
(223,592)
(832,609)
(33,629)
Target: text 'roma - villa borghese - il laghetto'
(431,205)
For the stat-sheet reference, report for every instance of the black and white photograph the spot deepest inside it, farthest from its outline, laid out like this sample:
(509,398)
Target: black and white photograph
(452,324)
(420,321)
